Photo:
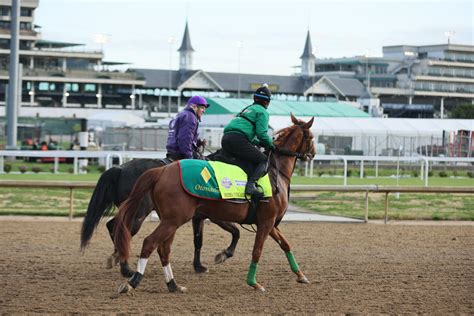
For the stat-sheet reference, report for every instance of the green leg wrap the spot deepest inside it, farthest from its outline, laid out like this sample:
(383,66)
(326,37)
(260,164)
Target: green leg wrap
(252,274)
(292,262)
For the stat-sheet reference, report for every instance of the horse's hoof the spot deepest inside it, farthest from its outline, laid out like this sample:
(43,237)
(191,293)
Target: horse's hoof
(112,261)
(125,288)
(220,257)
(258,287)
(303,280)
(201,269)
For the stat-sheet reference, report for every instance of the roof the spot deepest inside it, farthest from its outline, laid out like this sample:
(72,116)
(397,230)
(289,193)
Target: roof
(111,63)
(284,108)
(186,43)
(53,44)
(296,85)
(308,48)
(348,86)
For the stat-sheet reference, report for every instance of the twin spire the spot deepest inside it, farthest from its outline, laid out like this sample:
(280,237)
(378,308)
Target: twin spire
(308,59)
(186,50)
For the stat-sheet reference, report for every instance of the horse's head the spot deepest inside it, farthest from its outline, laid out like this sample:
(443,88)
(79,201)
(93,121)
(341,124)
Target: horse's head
(296,140)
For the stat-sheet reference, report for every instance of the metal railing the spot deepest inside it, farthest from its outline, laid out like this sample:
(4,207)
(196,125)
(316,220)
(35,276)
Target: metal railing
(303,190)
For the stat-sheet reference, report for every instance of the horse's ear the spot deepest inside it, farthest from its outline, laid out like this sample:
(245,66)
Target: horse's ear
(308,124)
(294,119)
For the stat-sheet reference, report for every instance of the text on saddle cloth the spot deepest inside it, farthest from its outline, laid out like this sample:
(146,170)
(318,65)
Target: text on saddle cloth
(217,180)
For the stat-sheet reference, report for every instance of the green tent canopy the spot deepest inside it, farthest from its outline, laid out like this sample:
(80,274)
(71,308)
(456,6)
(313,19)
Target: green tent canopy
(278,107)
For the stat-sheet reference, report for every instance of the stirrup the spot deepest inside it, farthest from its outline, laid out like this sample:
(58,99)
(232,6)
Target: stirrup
(256,192)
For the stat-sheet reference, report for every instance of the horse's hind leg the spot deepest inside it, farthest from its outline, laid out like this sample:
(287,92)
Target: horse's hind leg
(113,259)
(229,252)
(198,225)
(285,246)
(160,238)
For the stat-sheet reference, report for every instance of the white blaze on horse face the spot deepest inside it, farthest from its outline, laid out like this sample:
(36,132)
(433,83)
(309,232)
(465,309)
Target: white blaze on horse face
(141,265)
(168,273)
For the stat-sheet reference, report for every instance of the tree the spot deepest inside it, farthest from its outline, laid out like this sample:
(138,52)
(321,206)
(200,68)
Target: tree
(463,111)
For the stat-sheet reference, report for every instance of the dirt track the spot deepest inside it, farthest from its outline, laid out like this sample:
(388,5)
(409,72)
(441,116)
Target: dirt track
(354,268)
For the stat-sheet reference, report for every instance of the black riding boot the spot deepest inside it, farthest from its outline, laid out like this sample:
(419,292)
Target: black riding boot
(251,188)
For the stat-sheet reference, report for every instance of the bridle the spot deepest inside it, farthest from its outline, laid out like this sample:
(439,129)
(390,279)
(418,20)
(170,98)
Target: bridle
(298,153)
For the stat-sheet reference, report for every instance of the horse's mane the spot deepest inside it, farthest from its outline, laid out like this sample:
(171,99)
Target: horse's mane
(283,134)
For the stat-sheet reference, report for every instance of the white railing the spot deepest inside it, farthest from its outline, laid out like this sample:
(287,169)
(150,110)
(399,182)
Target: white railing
(422,160)
(123,156)
(77,156)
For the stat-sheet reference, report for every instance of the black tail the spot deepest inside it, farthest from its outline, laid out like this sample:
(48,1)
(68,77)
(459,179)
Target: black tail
(101,203)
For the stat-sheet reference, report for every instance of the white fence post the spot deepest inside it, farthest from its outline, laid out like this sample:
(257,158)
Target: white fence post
(345,171)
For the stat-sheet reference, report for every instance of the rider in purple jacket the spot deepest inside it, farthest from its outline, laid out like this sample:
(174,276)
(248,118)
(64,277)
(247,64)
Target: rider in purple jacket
(183,130)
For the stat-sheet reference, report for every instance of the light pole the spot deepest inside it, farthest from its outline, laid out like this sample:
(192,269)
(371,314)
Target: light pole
(171,41)
(239,47)
(13,96)
(367,70)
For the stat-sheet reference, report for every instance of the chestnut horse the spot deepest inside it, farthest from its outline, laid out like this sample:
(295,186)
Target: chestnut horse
(114,186)
(176,207)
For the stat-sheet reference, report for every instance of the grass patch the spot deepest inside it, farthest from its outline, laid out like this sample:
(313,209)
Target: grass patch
(414,206)
(54,202)
(22,201)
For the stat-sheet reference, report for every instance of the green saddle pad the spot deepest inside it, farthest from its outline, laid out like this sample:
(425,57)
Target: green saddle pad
(217,180)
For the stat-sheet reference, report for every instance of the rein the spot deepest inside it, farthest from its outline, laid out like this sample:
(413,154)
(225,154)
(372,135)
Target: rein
(289,153)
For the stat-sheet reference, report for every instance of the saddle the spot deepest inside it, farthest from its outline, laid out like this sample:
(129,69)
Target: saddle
(223,156)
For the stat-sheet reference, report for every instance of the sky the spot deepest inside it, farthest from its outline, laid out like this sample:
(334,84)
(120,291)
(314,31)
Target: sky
(251,36)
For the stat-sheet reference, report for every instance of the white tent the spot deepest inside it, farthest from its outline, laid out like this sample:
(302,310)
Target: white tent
(373,136)
(378,126)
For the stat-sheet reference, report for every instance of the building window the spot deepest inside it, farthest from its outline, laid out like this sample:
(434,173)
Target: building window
(43,86)
(25,26)
(73,87)
(5,25)
(26,12)
(89,87)
(4,43)
(4,11)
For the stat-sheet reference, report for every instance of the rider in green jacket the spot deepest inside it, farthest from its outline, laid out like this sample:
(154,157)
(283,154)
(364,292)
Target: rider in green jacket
(247,129)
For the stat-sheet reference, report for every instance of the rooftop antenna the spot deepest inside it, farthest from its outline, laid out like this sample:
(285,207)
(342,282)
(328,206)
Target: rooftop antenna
(187,11)
(101,39)
(449,34)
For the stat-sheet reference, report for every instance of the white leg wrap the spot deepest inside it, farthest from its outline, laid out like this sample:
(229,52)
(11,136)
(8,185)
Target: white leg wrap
(168,273)
(141,265)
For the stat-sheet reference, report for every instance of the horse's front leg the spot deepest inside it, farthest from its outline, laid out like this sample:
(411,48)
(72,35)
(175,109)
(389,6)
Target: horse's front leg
(198,226)
(229,252)
(285,246)
(263,230)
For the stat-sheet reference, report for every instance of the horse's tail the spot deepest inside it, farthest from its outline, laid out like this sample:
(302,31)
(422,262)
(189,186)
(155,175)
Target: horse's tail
(129,208)
(101,203)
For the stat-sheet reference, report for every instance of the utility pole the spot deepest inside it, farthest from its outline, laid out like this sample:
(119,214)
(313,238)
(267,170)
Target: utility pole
(13,82)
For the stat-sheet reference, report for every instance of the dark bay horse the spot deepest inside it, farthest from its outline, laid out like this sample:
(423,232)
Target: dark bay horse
(176,207)
(115,185)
